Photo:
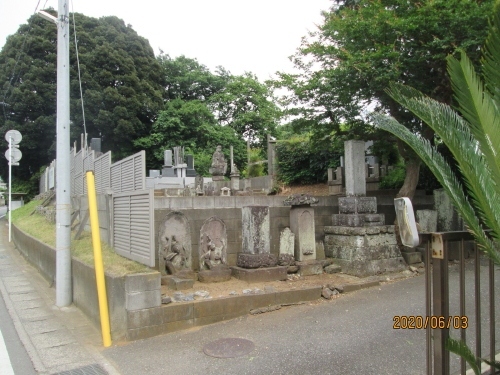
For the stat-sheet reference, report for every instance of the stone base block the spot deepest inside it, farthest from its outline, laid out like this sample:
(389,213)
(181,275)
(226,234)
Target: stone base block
(358,220)
(215,275)
(358,205)
(335,189)
(310,267)
(333,268)
(176,283)
(260,274)
(256,260)
(372,267)
(412,257)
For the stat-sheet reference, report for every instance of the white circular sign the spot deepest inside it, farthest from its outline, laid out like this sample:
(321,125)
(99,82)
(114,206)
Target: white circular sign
(15,135)
(16,155)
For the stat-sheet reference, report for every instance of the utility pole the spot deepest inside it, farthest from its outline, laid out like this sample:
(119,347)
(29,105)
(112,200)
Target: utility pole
(64,295)
(64,292)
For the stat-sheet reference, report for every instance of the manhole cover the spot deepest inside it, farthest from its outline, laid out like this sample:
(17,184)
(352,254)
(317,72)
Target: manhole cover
(228,348)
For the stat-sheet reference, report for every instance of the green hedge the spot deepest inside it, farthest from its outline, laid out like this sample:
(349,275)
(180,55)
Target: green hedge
(300,161)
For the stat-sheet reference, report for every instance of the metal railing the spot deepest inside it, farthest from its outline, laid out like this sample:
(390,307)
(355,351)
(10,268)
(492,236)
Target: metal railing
(438,320)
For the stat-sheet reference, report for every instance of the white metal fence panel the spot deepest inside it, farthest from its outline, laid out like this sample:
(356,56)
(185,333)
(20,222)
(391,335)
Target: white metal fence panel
(88,165)
(129,174)
(133,232)
(102,170)
(77,176)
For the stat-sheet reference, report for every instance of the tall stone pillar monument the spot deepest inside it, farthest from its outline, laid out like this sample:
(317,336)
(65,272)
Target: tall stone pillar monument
(359,239)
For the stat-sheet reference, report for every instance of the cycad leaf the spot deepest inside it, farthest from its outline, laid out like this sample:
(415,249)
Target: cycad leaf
(491,58)
(478,108)
(460,348)
(456,134)
(438,166)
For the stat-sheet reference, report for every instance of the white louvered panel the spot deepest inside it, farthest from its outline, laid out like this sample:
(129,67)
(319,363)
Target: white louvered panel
(133,228)
(102,169)
(129,174)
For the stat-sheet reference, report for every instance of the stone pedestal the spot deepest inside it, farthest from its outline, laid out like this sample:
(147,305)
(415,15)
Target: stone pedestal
(215,275)
(310,267)
(260,274)
(364,251)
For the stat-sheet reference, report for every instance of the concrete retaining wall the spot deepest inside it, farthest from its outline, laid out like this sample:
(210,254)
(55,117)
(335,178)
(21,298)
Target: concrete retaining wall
(125,293)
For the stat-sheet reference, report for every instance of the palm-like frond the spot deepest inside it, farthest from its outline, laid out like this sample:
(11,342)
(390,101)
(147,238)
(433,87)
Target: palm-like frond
(478,108)
(460,348)
(491,59)
(456,134)
(441,169)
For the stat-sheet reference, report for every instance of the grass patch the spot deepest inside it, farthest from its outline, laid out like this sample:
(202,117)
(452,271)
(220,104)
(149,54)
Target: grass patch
(37,226)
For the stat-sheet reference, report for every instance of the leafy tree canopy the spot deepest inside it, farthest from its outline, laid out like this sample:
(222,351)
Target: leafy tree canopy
(121,81)
(363,45)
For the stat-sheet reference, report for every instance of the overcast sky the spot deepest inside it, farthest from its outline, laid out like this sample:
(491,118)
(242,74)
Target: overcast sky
(256,36)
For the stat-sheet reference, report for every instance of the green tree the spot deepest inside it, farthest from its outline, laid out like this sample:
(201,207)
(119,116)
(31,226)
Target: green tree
(187,79)
(192,125)
(247,106)
(361,46)
(473,138)
(121,81)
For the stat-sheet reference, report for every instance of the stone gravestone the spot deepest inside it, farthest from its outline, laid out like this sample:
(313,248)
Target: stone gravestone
(359,239)
(213,251)
(255,262)
(302,225)
(168,170)
(174,254)
(287,253)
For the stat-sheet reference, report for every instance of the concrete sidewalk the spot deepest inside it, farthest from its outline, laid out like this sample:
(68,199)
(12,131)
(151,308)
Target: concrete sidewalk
(58,340)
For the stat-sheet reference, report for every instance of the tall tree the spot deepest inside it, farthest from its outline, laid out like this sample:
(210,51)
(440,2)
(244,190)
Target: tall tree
(362,45)
(247,106)
(121,81)
(187,79)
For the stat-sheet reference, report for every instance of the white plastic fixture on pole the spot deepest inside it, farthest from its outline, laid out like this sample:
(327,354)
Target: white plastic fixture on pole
(64,294)
(13,155)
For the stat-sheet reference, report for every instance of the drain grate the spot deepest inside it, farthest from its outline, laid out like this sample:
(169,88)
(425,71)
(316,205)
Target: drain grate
(93,369)
(228,348)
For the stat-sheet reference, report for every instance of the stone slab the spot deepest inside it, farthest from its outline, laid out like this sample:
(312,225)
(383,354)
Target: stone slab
(311,267)
(373,267)
(245,260)
(412,257)
(355,173)
(215,275)
(333,268)
(260,274)
(176,283)
(358,220)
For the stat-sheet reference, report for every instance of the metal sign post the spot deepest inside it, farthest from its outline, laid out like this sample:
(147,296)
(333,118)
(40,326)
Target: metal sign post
(13,155)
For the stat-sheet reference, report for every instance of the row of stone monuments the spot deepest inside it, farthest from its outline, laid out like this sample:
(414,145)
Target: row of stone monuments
(255,262)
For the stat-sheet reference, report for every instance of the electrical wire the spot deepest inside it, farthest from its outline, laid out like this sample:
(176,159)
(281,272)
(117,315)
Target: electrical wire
(78,65)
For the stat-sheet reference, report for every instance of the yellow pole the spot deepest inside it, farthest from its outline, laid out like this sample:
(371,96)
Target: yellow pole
(99,267)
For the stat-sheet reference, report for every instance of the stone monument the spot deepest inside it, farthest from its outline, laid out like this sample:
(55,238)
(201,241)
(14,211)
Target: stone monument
(219,165)
(359,239)
(255,262)
(302,225)
(199,185)
(174,255)
(168,170)
(287,253)
(234,174)
(213,251)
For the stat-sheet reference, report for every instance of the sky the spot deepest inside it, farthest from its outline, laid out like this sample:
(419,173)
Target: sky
(256,36)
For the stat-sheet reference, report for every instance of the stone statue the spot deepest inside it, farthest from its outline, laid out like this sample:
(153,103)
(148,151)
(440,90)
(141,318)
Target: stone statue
(175,256)
(213,255)
(219,164)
